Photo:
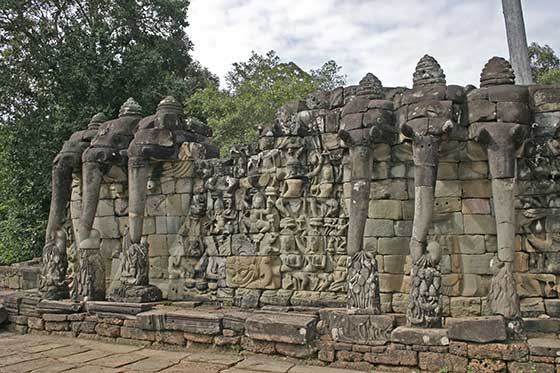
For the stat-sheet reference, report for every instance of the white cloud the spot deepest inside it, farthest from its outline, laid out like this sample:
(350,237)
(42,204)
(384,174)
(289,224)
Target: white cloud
(383,37)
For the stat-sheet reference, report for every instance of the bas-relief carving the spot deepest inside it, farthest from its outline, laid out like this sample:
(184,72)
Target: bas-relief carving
(253,272)
(272,215)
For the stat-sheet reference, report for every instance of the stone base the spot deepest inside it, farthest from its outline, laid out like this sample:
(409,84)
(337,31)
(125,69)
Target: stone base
(336,338)
(138,294)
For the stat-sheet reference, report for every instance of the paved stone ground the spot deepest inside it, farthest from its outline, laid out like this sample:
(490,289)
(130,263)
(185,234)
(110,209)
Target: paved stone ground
(53,354)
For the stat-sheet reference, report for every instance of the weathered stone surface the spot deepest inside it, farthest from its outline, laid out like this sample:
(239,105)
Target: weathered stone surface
(379,228)
(136,333)
(544,347)
(296,351)
(198,322)
(3,314)
(294,329)
(420,336)
(253,272)
(358,329)
(393,356)
(479,329)
(434,362)
(517,367)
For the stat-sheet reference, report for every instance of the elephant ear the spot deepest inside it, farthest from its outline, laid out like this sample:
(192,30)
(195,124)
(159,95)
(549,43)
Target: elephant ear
(517,134)
(407,131)
(483,137)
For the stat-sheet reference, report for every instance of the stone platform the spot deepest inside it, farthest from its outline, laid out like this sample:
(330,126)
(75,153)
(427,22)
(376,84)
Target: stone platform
(40,354)
(328,337)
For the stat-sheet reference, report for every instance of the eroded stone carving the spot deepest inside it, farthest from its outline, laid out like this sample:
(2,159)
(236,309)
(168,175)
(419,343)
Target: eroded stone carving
(254,272)
(502,139)
(55,262)
(425,121)
(366,119)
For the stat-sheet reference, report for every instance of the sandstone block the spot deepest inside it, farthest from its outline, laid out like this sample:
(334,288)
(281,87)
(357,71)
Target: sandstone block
(33,322)
(393,356)
(448,188)
(444,205)
(57,326)
(544,347)
(476,206)
(477,189)
(434,362)
(447,171)
(294,329)
(379,228)
(463,306)
(451,223)
(137,333)
(385,209)
(196,322)
(107,330)
(420,336)
(472,264)
(393,245)
(479,224)
(403,228)
(296,351)
(479,329)
(517,367)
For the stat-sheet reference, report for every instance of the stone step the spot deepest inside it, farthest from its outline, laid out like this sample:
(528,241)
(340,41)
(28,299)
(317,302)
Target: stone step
(277,327)
(544,347)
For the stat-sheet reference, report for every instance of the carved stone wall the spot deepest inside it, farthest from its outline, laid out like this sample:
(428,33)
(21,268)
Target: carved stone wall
(267,224)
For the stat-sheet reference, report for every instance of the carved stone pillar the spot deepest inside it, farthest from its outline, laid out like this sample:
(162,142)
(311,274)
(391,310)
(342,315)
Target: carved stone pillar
(427,112)
(502,134)
(158,138)
(366,119)
(53,283)
(106,150)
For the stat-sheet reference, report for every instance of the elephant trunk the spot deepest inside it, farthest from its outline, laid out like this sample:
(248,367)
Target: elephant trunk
(61,190)
(138,178)
(91,180)
(359,196)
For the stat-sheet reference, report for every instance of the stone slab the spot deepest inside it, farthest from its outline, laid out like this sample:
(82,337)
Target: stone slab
(276,327)
(57,306)
(477,329)
(118,307)
(197,322)
(358,329)
(420,336)
(544,347)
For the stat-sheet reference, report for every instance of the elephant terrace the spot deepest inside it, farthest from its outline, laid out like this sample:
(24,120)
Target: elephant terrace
(368,228)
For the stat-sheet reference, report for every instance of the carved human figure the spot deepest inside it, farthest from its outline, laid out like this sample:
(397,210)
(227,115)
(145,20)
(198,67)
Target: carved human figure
(502,137)
(53,284)
(425,122)
(366,119)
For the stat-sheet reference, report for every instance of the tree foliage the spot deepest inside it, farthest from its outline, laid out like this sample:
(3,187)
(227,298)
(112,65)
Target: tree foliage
(255,89)
(545,64)
(61,61)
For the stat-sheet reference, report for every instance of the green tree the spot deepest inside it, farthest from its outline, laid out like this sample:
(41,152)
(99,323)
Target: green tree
(545,64)
(255,89)
(328,76)
(61,61)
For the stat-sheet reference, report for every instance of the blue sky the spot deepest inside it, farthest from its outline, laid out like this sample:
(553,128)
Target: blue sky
(383,37)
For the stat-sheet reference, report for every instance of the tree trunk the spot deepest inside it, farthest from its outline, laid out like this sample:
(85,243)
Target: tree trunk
(517,41)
